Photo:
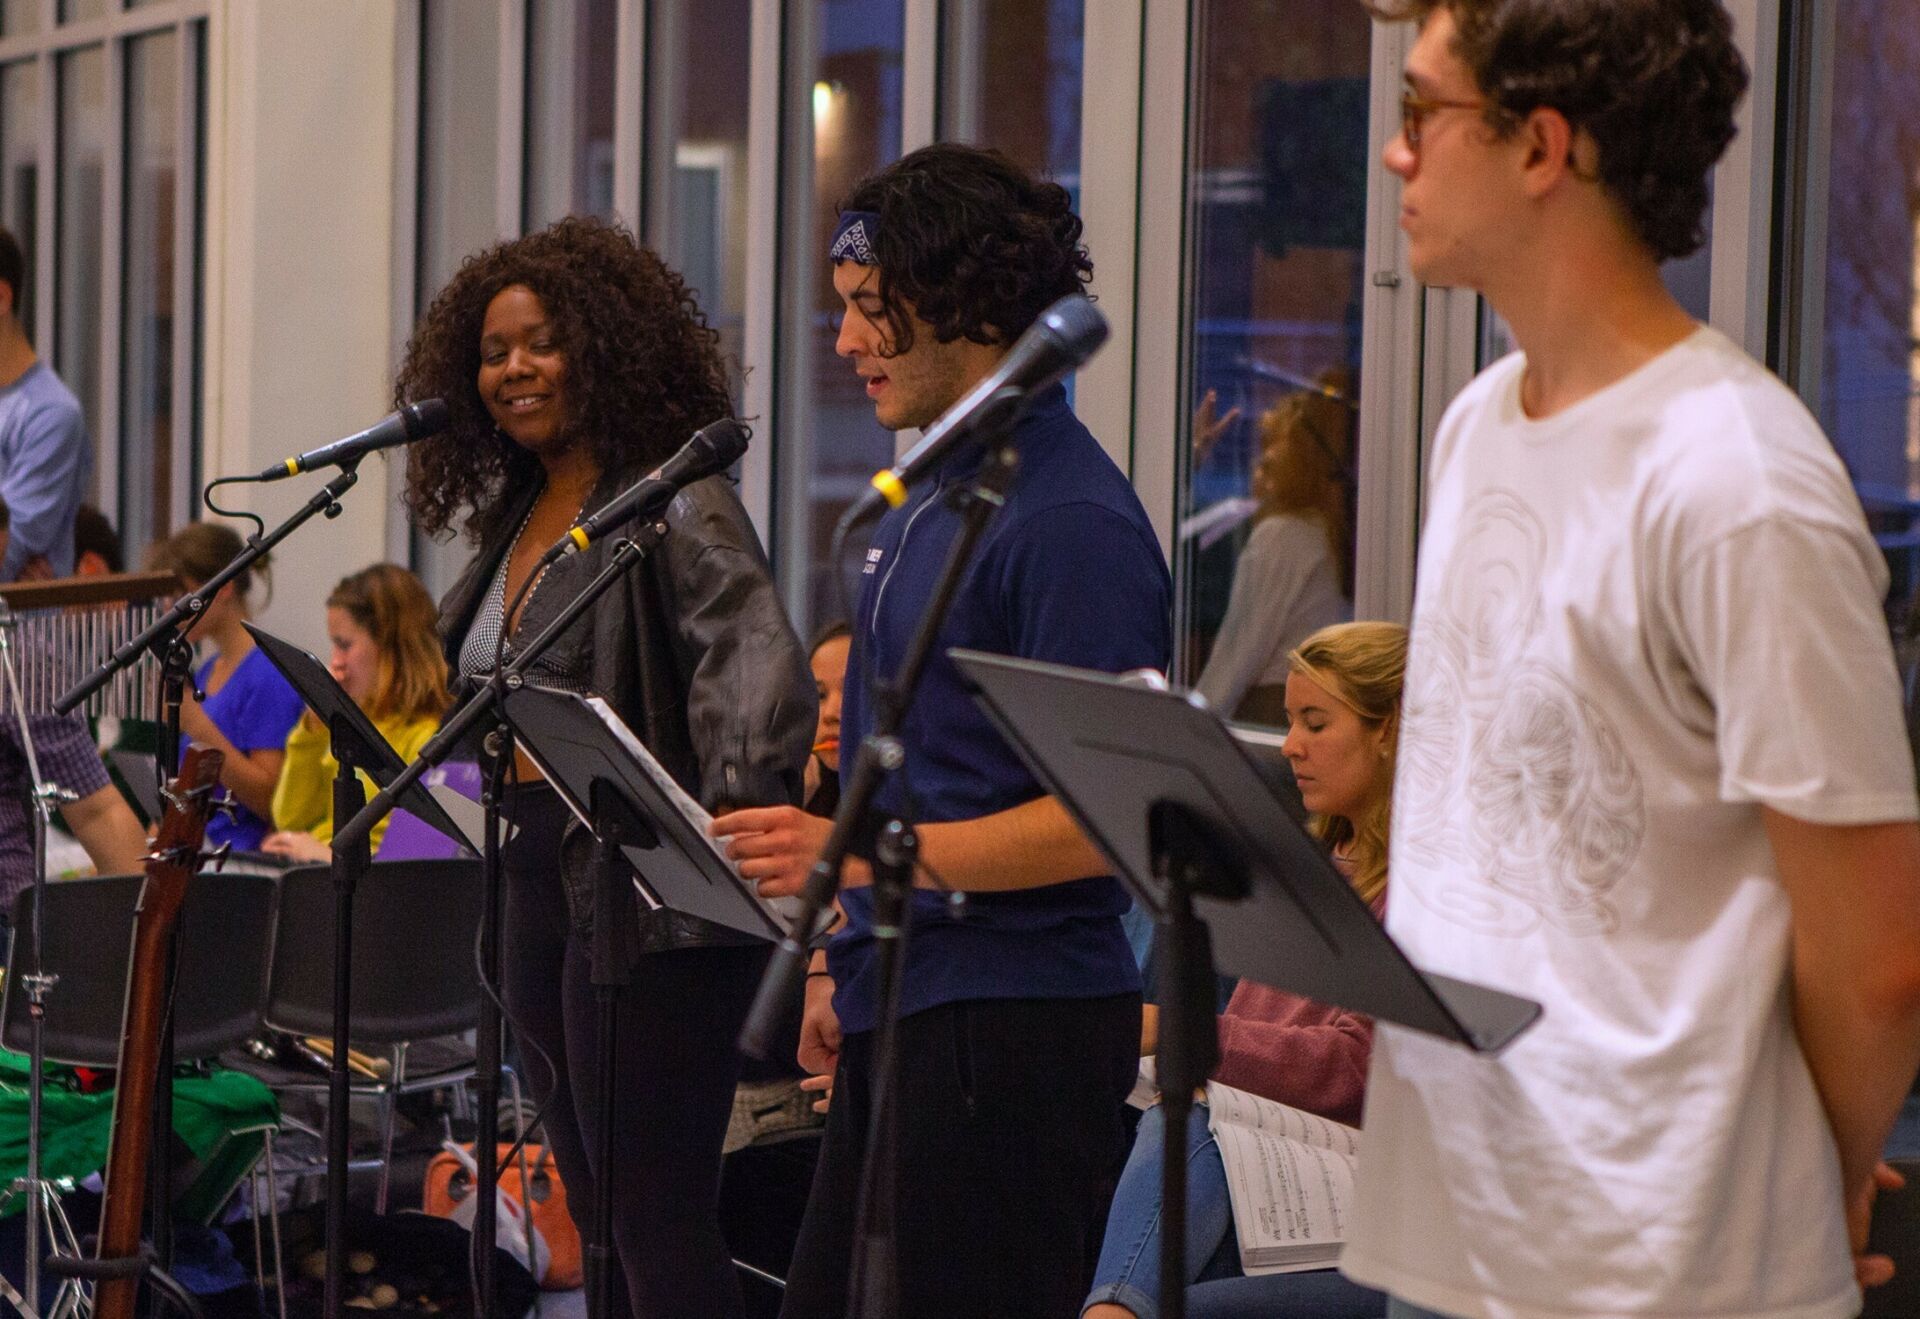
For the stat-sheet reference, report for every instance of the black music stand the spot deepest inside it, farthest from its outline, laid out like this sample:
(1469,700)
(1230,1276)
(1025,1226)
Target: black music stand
(357,745)
(615,787)
(609,779)
(370,751)
(1163,788)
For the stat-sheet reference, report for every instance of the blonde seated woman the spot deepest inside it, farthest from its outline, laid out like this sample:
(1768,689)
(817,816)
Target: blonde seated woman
(1343,706)
(385,652)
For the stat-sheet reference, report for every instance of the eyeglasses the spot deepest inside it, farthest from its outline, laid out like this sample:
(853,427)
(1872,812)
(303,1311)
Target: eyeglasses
(1414,110)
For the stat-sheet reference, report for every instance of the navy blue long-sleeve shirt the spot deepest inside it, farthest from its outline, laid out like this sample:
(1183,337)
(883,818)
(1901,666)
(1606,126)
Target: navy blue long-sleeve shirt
(1069,572)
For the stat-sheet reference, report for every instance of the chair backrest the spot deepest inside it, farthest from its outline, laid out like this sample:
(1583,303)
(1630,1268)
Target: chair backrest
(414,925)
(225,935)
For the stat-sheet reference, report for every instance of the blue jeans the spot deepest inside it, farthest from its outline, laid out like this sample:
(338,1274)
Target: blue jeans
(1129,1270)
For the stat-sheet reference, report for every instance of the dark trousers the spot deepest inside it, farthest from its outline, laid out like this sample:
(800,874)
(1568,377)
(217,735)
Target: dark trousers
(1011,1142)
(673,1090)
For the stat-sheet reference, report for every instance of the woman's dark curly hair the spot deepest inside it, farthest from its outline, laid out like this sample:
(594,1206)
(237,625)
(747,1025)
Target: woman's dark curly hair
(970,243)
(643,370)
(1654,82)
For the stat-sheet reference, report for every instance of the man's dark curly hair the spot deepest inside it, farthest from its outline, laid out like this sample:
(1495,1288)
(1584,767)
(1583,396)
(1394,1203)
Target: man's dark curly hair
(970,243)
(1654,82)
(643,370)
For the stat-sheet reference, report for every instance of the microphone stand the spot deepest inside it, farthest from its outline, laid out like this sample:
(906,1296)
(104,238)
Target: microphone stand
(165,638)
(42,1204)
(485,704)
(874,1285)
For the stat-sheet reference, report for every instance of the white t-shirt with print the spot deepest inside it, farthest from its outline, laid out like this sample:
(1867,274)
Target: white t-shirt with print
(1636,623)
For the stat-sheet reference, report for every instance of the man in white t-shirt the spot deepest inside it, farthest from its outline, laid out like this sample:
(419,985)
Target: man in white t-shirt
(1652,772)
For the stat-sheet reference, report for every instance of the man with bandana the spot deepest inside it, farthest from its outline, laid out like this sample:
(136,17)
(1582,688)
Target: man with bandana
(1020,1022)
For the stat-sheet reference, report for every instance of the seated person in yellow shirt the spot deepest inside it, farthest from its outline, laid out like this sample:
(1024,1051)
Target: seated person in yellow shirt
(386,655)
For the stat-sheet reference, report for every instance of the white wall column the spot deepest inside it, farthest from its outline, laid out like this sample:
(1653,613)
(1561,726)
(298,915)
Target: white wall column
(298,340)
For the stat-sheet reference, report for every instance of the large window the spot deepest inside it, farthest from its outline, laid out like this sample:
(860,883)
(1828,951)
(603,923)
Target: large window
(695,160)
(1276,196)
(848,82)
(1011,79)
(570,87)
(110,225)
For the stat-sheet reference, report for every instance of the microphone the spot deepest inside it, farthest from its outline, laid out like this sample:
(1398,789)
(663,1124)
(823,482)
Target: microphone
(416,421)
(1064,337)
(713,449)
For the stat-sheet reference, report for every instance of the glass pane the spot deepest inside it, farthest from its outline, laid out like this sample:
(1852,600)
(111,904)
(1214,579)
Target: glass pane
(70,10)
(853,118)
(20,167)
(459,137)
(18,18)
(697,159)
(1011,79)
(146,346)
(1277,190)
(1870,368)
(569,149)
(82,131)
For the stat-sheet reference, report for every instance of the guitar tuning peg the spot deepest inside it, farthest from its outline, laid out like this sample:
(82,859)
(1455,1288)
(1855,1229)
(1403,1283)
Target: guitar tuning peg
(216,860)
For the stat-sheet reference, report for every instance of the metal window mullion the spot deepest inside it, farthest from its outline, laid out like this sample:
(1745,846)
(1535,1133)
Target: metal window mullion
(46,255)
(1110,201)
(1742,271)
(110,443)
(629,117)
(408,182)
(760,346)
(1160,320)
(794,412)
(55,35)
(663,120)
(510,207)
(1392,305)
(186,238)
(919,74)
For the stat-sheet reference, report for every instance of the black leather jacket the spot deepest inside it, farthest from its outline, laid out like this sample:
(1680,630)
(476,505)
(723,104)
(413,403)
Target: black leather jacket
(693,649)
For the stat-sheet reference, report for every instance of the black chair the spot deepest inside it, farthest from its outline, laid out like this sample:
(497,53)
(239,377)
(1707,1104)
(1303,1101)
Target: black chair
(414,980)
(225,929)
(221,979)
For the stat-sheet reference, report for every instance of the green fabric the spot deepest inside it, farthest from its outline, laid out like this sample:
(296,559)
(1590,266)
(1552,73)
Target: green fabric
(219,1115)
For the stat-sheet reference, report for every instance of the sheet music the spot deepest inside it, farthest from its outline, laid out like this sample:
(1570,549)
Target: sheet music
(782,910)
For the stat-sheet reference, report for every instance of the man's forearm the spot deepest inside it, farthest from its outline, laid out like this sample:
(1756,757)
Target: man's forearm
(1856,973)
(1032,845)
(1863,1055)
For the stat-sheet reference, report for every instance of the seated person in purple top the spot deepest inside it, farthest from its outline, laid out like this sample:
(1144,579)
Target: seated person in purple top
(249,708)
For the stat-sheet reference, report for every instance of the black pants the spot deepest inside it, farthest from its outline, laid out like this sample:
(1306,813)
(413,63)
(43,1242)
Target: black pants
(673,1091)
(1011,1142)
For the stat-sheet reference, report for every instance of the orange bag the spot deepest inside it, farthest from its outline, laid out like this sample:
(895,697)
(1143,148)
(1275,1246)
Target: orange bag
(448,1185)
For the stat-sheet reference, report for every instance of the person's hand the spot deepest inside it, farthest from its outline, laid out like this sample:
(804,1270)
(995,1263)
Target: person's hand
(819,1053)
(1870,1270)
(194,721)
(36,569)
(296,845)
(1208,427)
(775,846)
(821,1085)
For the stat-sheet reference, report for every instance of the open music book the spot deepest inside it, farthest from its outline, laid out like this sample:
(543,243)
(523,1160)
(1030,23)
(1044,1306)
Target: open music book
(1289,1176)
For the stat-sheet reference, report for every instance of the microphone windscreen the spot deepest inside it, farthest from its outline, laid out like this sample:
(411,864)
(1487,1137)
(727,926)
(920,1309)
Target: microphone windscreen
(1076,325)
(427,417)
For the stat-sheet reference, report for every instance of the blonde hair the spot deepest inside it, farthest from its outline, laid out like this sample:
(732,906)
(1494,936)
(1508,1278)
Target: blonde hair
(1306,449)
(394,608)
(1364,667)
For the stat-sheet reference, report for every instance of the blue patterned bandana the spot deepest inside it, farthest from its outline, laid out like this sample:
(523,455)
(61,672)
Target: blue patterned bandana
(853,240)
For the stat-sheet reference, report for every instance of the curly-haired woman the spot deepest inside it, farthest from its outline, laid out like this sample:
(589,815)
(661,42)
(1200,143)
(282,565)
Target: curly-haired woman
(573,361)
